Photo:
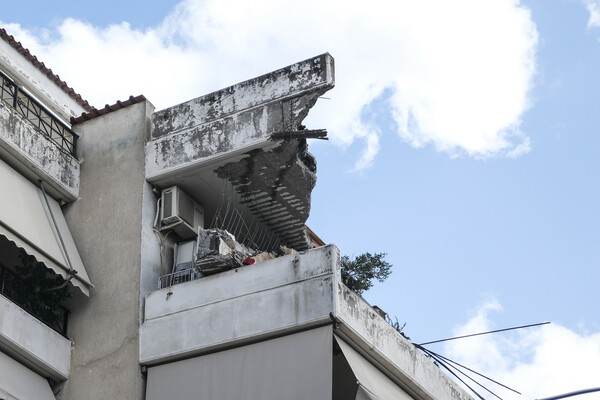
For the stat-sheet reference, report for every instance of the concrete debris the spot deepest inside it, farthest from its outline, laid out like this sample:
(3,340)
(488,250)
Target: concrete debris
(218,251)
(276,187)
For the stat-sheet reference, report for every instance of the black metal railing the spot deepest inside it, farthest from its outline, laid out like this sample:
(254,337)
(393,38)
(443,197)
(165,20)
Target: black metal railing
(46,123)
(34,302)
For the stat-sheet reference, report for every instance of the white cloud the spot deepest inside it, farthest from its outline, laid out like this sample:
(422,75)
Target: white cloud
(538,362)
(460,72)
(593,7)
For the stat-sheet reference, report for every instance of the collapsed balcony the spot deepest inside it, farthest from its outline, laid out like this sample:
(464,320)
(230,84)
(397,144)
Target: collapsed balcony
(241,154)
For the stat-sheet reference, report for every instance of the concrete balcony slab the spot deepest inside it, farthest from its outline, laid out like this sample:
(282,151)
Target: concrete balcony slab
(32,343)
(34,156)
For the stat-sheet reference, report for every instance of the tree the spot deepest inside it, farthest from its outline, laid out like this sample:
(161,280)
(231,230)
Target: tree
(358,274)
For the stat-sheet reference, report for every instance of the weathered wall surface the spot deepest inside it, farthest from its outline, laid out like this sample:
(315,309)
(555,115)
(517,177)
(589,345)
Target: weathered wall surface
(282,295)
(237,133)
(236,117)
(359,322)
(36,157)
(275,297)
(106,224)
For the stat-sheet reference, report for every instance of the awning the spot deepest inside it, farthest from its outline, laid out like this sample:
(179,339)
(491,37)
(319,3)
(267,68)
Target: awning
(293,367)
(20,383)
(372,383)
(25,220)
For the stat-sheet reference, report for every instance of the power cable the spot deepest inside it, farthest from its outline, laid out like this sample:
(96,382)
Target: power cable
(484,333)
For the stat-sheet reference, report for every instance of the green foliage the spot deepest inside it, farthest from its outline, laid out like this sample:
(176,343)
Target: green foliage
(396,325)
(29,286)
(358,274)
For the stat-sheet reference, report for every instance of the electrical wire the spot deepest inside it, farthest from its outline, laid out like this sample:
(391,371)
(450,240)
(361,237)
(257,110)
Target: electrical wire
(484,333)
(468,369)
(576,393)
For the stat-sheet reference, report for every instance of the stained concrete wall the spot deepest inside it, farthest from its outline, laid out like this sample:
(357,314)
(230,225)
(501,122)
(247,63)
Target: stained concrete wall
(36,157)
(106,224)
(359,323)
(267,299)
(238,118)
(276,297)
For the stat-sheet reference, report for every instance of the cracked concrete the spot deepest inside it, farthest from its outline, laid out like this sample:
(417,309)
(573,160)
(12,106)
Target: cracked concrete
(276,187)
(236,118)
(229,133)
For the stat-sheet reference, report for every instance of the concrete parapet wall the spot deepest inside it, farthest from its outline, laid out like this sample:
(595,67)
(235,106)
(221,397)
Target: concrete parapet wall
(32,343)
(276,297)
(240,117)
(359,323)
(266,299)
(36,157)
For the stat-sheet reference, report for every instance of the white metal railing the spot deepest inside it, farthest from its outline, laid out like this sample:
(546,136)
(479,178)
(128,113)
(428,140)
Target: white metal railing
(177,277)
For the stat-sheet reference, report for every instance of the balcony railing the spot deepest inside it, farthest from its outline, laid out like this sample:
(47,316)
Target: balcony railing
(176,278)
(35,303)
(45,122)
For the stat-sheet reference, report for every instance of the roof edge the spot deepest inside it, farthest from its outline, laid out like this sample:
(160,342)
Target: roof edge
(94,112)
(45,70)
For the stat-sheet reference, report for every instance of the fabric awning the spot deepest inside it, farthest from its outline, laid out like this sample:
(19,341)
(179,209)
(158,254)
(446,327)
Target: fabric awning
(18,382)
(25,219)
(293,367)
(372,383)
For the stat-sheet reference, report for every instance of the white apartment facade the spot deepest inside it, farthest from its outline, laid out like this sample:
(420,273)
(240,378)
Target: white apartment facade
(90,195)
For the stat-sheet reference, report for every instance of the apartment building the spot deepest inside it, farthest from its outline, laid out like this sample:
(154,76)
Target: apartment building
(164,254)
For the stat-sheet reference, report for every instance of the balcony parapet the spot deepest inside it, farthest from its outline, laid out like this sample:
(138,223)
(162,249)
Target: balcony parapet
(35,154)
(277,297)
(32,343)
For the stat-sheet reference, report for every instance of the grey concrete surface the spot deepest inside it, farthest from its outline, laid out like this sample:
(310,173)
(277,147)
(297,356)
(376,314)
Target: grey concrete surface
(107,226)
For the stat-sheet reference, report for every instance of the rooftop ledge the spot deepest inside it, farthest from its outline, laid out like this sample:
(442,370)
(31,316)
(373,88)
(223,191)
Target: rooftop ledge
(278,297)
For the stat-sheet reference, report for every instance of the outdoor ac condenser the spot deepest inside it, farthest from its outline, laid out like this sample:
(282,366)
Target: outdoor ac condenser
(180,213)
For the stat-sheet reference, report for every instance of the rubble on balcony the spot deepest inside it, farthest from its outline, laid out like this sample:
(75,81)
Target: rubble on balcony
(218,251)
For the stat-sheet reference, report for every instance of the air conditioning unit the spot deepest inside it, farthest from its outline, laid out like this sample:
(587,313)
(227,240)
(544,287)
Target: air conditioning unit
(180,213)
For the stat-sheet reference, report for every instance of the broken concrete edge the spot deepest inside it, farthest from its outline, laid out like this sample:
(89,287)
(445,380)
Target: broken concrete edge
(155,175)
(246,96)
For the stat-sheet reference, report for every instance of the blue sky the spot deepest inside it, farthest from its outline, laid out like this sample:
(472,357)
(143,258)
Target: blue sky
(464,143)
